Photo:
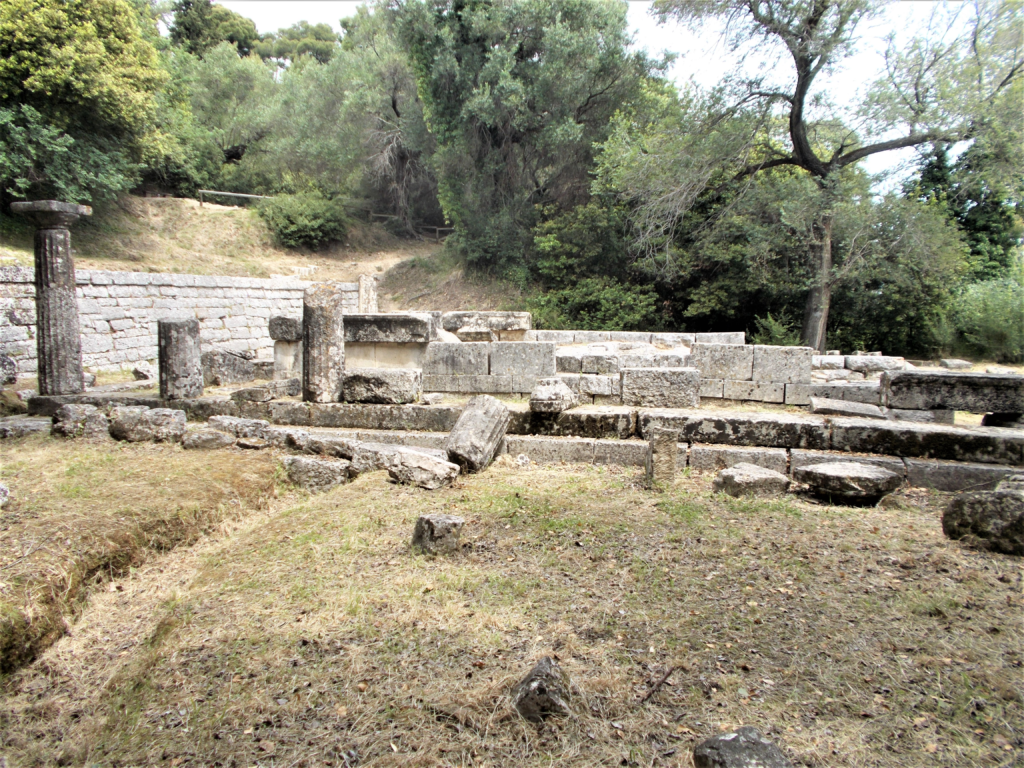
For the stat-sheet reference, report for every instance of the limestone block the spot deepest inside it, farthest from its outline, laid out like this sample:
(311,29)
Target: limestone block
(953,364)
(417,467)
(661,387)
(829,407)
(486,385)
(523,358)
(746,479)
(181,370)
(475,438)
(590,337)
(759,391)
(956,475)
(985,445)
(711,458)
(437,534)
(239,427)
(137,424)
(626,453)
(828,362)
(729,337)
(222,367)
(84,421)
(283,328)
(790,365)
(206,439)
(568,360)
(552,450)
(666,360)
(594,384)
(287,359)
(476,333)
(662,456)
(723,361)
(552,396)
(924,417)
(991,520)
(604,364)
(460,359)
(799,458)
(600,422)
(390,327)
(714,388)
(19,426)
(495,321)
(559,337)
(316,475)
(873,363)
(771,430)
(848,481)
(381,385)
(1014,482)
(854,392)
(672,340)
(323,343)
(435,383)
(273,390)
(949,390)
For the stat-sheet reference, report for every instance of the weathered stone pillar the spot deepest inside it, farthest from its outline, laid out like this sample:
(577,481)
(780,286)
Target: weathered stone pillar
(58,338)
(662,453)
(181,367)
(367,302)
(323,343)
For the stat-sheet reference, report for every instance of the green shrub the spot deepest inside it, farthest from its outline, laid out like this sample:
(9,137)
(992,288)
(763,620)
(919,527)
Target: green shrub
(776,331)
(990,317)
(306,219)
(597,304)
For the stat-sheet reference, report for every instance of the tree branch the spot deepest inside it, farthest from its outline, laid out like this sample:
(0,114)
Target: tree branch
(913,140)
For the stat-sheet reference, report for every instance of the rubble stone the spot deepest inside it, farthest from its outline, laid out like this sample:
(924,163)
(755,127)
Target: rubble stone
(437,534)
(743,748)
(987,519)
(750,480)
(552,396)
(410,466)
(543,693)
(315,475)
(239,427)
(952,364)
(828,407)
(848,481)
(138,424)
(272,390)
(874,363)
(206,439)
(474,440)
(84,421)
(8,370)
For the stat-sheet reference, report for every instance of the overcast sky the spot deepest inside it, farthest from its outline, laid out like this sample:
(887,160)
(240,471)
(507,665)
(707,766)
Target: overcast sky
(700,57)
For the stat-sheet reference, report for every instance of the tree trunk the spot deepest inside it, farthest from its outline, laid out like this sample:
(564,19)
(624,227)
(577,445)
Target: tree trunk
(819,299)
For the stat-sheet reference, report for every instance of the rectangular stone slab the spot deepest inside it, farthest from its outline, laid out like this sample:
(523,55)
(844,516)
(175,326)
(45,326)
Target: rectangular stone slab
(475,438)
(422,418)
(855,392)
(625,453)
(523,358)
(551,450)
(495,321)
(758,391)
(727,337)
(392,327)
(789,365)
(661,387)
(607,421)
(955,391)
(800,458)
(956,476)
(723,361)
(771,430)
(711,458)
(381,385)
(457,359)
(985,445)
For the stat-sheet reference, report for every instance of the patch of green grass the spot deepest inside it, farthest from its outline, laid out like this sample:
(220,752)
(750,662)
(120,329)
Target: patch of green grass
(688,511)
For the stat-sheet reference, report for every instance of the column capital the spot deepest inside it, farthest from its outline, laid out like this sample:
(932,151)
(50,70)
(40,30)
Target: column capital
(51,214)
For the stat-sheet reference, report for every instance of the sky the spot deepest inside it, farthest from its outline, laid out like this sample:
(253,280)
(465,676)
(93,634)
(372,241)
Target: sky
(702,56)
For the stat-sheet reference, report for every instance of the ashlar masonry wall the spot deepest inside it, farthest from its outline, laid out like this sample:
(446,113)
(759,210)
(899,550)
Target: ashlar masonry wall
(118,312)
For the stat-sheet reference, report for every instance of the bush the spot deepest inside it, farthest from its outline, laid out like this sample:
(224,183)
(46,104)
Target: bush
(776,331)
(597,304)
(990,317)
(307,219)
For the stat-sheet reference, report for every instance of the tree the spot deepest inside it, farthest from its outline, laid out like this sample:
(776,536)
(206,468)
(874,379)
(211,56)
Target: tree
(516,95)
(301,39)
(942,88)
(200,25)
(78,84)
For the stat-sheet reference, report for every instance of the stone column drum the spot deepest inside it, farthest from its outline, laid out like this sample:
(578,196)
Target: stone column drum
(323,344)
(58,338)
(181,367)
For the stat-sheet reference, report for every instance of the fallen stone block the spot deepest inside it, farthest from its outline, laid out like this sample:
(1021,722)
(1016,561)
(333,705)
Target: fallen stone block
(874,363)
(552,450)
(828,407)
(416,467)
(848,482)
(624,453)
(828,362)
(381,385)
(474,440)
(251,443)
(437,534)
(742,748)
(19,426)
(922,417)
(222,367)
(726,337)
(711,458)
(789,365)
(495,321)
(949,390)
(390,327)
(799,458)
(770,430)
(138,424)
(239,427)
(283,328)
(956,476)
(523,358)
(750,480)
(662,456)
(953,364)
(461,359)
(273,390)
(206,439)
(992,520)
(661,387)
(543,693)
(284,437)
(315,475)
(552,396)
(734,362)
(81,421)
(985,445)
(758,391)
(340,447)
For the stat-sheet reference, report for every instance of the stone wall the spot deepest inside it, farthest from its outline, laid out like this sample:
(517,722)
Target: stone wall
(119,310)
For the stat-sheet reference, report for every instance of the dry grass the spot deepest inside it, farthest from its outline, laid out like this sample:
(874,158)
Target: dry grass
(83,514)
(177,235)
(855,637)
(437,282)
